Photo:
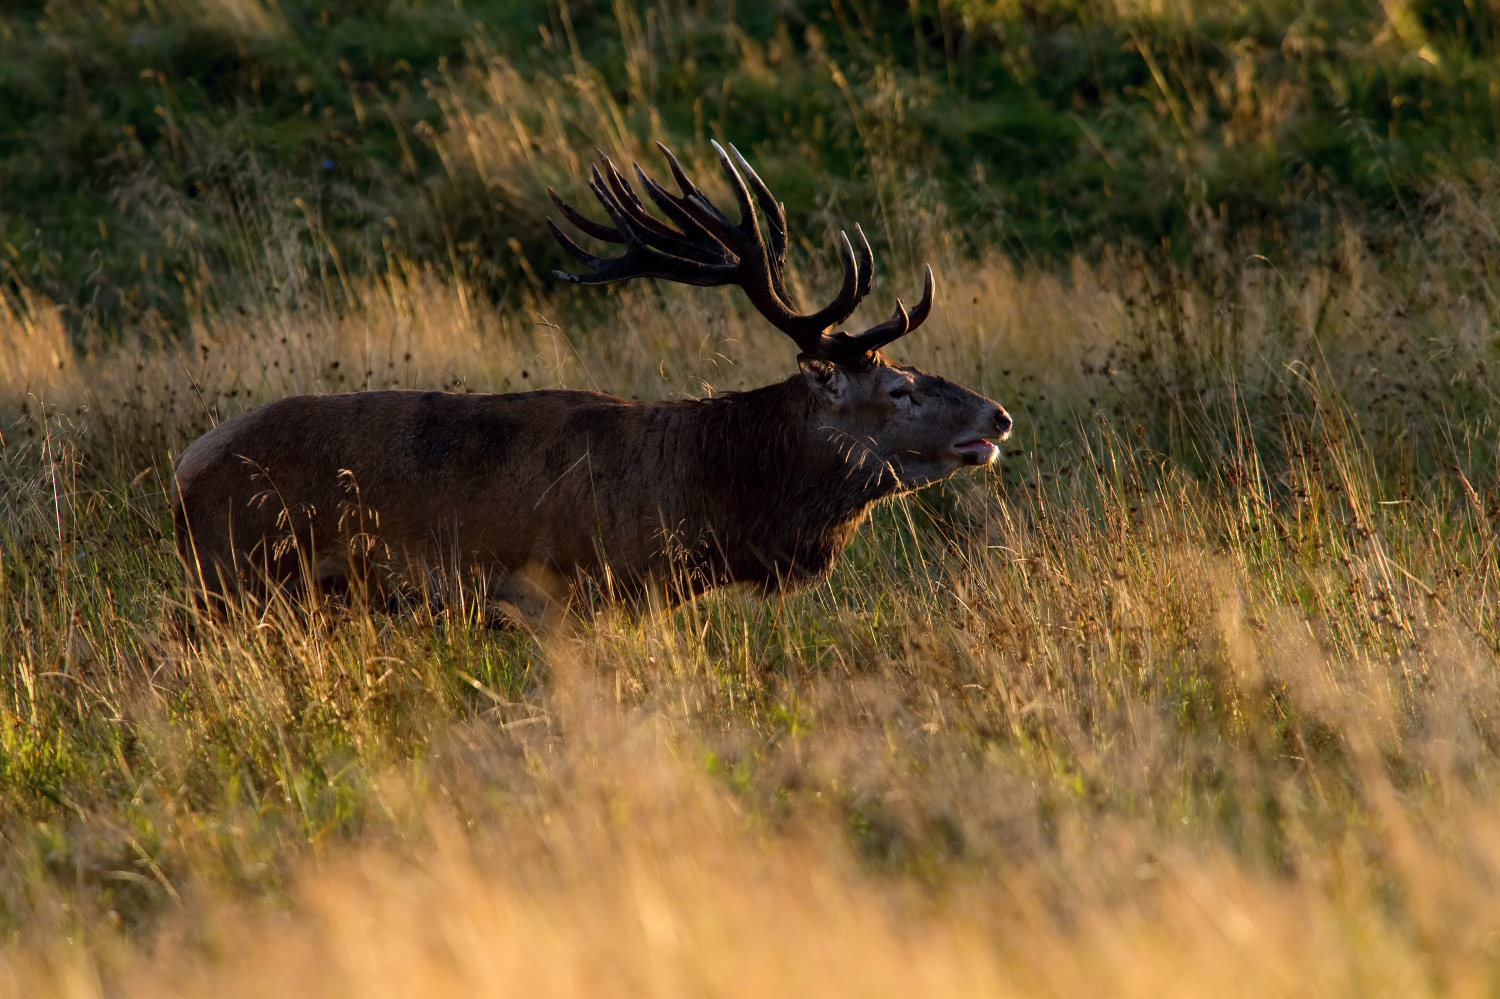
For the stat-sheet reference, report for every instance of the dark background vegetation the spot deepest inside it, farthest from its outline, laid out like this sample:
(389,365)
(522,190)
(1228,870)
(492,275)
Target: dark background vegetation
(141,139)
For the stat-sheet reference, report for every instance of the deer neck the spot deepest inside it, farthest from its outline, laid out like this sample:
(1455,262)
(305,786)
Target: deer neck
(788,493)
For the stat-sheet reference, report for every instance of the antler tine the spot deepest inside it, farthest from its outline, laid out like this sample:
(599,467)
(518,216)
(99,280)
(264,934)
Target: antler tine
(673,207)
(656,235)
(848,298)
(894,328)
(924,307)
(775,213)
(749,225)
(772,209)
(684,183)
(648,229)
(579,253)
(866,262)
(642,261)
(632,231)
(626,196)
(694,200)
(583,222)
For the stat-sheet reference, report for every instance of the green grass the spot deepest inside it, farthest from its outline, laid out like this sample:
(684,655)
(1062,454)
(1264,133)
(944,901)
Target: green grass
(152,148)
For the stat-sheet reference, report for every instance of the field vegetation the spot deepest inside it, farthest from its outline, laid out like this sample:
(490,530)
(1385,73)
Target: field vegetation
(1196,692)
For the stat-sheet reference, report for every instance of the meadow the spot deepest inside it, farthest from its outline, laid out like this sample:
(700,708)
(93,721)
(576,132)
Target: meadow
(1194,693)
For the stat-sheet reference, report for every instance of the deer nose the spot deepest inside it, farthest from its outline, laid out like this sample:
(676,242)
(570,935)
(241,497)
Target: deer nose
(1002,423)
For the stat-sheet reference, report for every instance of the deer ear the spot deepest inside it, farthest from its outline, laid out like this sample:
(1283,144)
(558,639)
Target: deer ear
(828,381)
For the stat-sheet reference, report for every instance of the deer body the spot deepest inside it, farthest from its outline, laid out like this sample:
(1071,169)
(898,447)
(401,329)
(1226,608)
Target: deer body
(547,488)
(762,487)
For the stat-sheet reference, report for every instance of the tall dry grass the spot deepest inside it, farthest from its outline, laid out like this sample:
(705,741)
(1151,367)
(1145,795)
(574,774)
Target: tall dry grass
(1195,695)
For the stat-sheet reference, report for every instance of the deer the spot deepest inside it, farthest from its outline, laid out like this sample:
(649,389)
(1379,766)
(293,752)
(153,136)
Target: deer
(538,493)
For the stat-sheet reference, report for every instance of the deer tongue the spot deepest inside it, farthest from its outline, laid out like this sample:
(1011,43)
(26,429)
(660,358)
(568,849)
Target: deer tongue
(978,451)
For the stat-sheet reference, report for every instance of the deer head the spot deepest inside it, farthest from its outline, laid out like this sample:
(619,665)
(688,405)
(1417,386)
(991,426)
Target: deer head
(887,417)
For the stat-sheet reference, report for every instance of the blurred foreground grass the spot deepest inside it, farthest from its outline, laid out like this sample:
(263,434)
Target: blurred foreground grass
(1196,693)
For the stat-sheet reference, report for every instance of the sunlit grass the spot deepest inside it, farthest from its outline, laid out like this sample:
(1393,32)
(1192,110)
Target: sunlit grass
(1234,651)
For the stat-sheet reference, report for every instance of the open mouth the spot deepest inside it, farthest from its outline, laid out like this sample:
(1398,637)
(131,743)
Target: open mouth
(977,451)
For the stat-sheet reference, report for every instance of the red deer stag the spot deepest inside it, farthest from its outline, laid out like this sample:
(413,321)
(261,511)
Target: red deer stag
(538,491)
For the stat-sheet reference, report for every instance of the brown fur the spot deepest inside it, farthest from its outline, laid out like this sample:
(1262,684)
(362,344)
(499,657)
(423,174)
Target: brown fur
(762,487)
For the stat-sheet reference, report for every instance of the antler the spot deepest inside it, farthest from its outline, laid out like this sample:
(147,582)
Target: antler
(708,249)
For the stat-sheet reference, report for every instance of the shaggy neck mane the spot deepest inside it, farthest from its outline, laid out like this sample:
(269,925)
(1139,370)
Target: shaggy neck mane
(782,508)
